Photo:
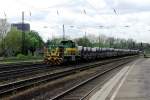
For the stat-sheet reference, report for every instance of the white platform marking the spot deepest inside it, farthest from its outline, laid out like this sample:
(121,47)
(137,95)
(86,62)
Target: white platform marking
(106,89)
(122,81)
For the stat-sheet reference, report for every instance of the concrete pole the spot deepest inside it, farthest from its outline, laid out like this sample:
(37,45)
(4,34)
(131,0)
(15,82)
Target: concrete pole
(23,34)
(63,32)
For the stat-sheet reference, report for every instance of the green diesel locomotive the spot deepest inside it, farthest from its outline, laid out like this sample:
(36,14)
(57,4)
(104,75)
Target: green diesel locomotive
(57,54)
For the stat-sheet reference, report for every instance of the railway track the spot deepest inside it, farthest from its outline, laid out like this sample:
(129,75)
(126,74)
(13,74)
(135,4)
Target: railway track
(7,67)
(12,72)
(9,88)
(79,91)
(22,72)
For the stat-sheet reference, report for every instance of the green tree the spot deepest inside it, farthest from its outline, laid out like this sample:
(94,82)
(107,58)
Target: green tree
(83,42)
(54,41)
(33,41)
(13,41)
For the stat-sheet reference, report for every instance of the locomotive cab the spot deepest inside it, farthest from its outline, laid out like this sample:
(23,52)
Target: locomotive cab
(70,50)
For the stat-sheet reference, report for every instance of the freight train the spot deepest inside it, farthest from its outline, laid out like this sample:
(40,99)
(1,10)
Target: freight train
(68,51)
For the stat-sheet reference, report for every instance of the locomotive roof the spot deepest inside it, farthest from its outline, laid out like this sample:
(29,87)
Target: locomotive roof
(65,41)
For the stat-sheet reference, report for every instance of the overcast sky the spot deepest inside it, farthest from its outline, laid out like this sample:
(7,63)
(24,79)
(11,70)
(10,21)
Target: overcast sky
(131,18)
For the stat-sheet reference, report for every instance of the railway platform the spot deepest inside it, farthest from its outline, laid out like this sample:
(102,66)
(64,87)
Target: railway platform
(131,83)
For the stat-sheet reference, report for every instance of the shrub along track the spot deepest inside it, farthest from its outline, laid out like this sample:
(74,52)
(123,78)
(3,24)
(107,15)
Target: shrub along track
(56,80)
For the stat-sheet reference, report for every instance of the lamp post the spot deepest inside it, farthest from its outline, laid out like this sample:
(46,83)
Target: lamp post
(63,32)
(100,27)
(23,34)
(46,27)
(127,26)
(63,28)
(23,48)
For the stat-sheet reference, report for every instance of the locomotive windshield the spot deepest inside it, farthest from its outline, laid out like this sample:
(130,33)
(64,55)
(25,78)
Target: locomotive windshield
(67,44)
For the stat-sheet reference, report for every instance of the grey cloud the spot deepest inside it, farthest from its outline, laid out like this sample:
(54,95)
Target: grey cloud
(128,6)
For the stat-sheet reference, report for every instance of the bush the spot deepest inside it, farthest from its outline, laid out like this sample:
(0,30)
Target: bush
(21,56)
(24,57)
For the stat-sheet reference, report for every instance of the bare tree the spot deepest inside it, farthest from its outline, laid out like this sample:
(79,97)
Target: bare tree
(4,28)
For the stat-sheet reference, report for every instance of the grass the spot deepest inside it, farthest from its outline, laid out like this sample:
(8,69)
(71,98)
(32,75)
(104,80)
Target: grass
(17,59)
(147,55)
